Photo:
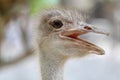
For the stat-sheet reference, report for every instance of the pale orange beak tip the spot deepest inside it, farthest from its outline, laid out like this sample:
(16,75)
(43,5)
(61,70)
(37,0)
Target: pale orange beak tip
(101,32)
(102,52)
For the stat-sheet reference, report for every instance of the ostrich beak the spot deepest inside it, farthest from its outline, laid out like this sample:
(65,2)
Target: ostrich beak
(74,34)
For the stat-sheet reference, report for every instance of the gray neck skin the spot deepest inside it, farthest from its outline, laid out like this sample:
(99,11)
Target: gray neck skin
(52,67)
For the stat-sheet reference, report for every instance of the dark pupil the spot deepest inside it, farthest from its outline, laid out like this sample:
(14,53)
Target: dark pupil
(57,24)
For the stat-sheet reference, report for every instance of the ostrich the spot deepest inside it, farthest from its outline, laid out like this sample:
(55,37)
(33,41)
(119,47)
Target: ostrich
(58,39)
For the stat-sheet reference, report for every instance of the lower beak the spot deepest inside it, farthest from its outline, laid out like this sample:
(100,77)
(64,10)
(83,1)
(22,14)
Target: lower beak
(75,33)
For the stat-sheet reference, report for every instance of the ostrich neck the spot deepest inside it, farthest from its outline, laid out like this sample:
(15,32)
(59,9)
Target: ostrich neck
(51,67)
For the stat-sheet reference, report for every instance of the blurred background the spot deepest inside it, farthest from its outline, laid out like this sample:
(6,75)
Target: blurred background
(17,60)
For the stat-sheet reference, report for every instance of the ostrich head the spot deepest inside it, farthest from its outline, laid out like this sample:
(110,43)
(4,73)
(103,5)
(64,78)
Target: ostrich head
(58,38)
(59,32)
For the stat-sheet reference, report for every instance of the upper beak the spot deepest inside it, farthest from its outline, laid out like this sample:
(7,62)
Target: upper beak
(85,29)
(75,33)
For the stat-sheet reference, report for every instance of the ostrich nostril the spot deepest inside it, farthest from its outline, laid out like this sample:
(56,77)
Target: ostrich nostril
(87,28)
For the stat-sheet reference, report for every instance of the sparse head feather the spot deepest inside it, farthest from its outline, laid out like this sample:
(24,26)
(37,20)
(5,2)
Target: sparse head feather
(68,14)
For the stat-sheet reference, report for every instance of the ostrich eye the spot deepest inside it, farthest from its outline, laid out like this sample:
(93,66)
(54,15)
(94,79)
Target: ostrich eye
(57,24)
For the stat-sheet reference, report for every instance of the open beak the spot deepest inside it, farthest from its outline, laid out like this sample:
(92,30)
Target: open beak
(74,34)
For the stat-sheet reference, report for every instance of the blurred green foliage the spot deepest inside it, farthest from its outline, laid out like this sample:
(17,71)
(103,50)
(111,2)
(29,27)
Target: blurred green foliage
(37,5)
